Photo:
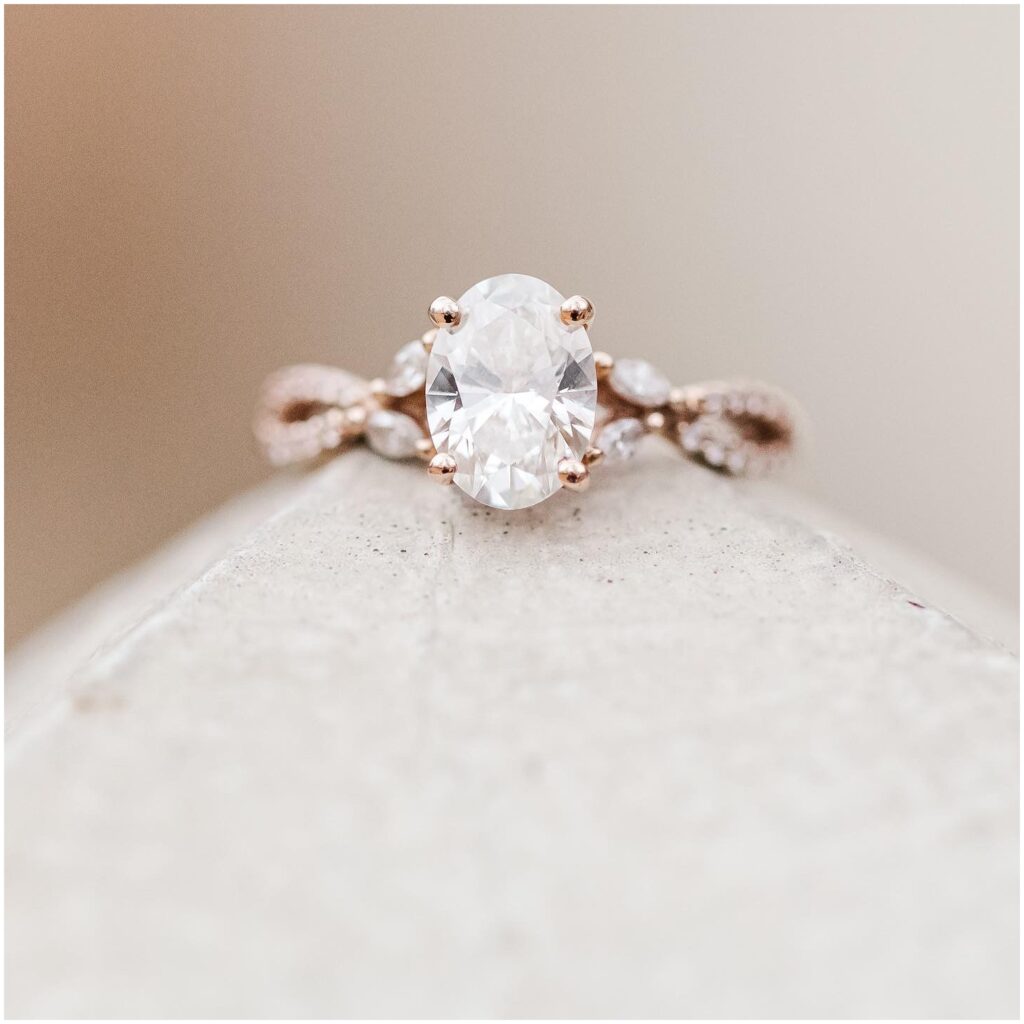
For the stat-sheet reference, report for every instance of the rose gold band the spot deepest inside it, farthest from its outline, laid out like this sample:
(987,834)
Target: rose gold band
(309,411)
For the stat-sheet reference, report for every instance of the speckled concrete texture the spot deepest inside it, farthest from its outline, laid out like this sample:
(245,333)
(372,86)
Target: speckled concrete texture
(657,750)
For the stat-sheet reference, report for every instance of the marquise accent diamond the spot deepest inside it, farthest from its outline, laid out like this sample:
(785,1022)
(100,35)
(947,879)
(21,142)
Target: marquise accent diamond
(393,434)
(620,439)
(408,370)
(639,381)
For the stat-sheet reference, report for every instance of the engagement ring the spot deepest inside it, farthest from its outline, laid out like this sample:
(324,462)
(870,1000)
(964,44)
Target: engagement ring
(506,398)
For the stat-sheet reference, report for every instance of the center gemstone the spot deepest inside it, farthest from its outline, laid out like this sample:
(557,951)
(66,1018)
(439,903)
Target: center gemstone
(511,391)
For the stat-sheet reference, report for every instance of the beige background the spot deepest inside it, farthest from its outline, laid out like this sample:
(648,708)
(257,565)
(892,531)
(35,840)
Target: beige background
(823,197)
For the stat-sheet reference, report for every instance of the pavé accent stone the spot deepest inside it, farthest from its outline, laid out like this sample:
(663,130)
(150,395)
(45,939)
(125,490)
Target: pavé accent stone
(511,391)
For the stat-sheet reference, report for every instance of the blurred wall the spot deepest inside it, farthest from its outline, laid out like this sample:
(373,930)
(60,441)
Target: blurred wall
(824,197)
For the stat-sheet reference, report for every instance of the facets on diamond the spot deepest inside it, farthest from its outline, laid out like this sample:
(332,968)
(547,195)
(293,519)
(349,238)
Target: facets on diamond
(620,439)
(511,391)
(408,370)
(392,434)
(638,381)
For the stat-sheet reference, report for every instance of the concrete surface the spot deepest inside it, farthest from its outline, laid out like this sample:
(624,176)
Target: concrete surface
(665,748)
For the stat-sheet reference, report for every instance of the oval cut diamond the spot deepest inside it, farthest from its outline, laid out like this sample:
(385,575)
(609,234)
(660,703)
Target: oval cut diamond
(511,391)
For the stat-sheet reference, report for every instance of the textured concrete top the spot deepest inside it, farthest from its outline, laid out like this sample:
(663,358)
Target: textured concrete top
(659,749)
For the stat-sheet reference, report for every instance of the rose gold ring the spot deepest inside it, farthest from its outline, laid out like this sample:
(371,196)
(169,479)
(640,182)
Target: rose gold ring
(505,397)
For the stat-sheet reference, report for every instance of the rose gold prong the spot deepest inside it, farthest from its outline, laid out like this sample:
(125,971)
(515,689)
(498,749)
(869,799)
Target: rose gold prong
(603,365)
(442,468)
(445,312)
(353,421)
(592,456)
(577,311)
(379,388)
(574,475)
(425,449)
(655,421)
(427,341)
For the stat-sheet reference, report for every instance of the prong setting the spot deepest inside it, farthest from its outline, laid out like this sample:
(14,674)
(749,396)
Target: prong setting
(445,312)
(574,475)
(442,468)
(592,456)
(603,365)
(577,311)
(353,421)
(655,422)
